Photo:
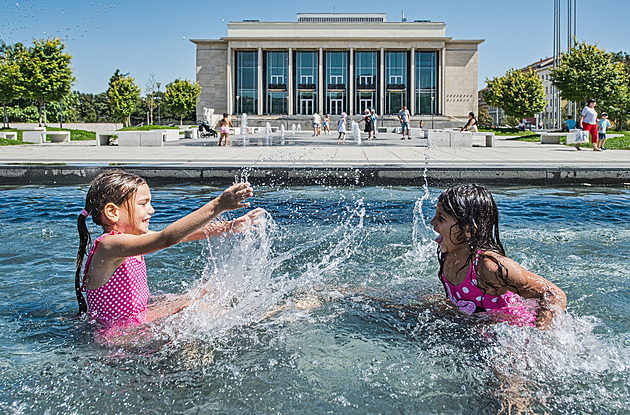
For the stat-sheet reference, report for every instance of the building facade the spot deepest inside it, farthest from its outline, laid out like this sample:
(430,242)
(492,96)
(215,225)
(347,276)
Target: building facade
(334,63)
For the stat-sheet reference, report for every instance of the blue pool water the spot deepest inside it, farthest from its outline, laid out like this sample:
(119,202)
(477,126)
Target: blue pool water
(305,316)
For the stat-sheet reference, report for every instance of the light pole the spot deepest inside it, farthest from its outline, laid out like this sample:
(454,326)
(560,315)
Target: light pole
(158,100)
(432,108)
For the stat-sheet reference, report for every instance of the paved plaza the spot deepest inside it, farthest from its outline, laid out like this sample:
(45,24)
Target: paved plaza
(300,156)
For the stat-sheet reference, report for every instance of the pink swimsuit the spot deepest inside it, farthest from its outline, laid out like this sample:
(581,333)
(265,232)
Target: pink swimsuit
(122,299)
(470,298)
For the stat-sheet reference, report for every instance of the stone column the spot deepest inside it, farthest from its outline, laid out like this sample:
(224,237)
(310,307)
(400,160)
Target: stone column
(381,87)
(440,105)
(230,108)
(260,81)
(321,80)
(290,84)
(412,82)
(350,92)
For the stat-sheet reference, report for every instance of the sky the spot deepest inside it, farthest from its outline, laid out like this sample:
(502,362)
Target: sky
(142,37)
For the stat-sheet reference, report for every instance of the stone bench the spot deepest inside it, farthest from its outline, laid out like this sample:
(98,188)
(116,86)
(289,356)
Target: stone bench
(169,135)
(488,138)
(9,135)
(461,139)
(551,138)
(39,136)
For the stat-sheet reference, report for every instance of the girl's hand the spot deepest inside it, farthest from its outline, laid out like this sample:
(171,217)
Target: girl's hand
(234,197)
(248,220)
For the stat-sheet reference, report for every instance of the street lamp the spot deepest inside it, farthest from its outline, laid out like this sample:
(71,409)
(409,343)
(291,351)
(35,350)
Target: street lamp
(158,100)
(432,108)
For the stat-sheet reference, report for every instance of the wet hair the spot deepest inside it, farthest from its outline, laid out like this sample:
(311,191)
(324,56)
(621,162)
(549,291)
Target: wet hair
(474,210)
(590,101)
(112,186)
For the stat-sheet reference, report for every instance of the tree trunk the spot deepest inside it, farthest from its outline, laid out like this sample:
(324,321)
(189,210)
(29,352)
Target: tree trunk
(6,115)
(41,109)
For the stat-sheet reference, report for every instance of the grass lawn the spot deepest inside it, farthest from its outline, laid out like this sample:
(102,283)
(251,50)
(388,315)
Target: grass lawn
(75,135)
(614,143)
(149,127)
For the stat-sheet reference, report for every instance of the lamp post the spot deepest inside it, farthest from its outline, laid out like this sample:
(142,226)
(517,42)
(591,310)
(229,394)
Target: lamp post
(158,100)
(432,108)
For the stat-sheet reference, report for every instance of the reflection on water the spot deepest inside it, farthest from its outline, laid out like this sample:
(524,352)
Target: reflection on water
(333,305)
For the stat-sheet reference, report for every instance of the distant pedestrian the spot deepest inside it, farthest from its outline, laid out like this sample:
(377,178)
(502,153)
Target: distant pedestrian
(369,127)
(342,128)
(404,116)
(224,128)
(374,118)
(588,122)
(601,130)
(471,124)
(421,127)
(569,124)
(326,124)
(317,129)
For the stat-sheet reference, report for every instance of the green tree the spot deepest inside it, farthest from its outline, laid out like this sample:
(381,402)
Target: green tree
(123,95)
(484,118)
(181,97)
(47,72)
(520,94)
(11,80)
(590,72)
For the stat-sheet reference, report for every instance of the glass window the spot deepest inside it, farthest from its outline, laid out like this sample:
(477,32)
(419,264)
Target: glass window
(396,81)
(426,83)
(276,94)
(247,82)
(336,81)
(306,69)
(366,76)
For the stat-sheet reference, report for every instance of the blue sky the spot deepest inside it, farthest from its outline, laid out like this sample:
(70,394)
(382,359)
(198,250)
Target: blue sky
(143,37)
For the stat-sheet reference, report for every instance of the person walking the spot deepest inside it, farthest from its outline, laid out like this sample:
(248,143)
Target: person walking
(588,122)
(404,117)
(317,129)
(374,118)
(601,131)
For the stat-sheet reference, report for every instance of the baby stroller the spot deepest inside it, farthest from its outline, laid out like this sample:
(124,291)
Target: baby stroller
(206,131)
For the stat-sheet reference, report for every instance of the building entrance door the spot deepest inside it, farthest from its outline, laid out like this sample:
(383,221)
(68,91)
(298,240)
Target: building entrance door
(336,106)
(365,104)
(306,106)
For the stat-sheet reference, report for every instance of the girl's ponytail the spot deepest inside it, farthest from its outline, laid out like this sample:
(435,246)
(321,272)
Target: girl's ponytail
(84,242)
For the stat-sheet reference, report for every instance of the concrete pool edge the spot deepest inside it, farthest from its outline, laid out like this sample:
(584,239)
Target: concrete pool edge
(67,174)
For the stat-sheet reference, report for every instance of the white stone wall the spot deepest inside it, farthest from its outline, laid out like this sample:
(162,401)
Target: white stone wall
(212,76)
(460,83)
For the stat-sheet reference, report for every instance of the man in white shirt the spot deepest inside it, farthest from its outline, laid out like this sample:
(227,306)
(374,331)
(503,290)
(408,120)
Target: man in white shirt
(317,122)
(404,116)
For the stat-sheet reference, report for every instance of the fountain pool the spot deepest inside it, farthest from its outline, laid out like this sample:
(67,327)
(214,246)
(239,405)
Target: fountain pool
(318,262)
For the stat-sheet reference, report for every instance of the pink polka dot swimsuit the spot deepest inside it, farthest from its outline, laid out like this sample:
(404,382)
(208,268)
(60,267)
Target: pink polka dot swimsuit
(470,298)
(123,298)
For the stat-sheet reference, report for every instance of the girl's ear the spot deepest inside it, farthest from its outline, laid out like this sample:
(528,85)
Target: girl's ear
(111,213)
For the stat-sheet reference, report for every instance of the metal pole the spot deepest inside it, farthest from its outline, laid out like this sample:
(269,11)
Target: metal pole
(158,100)
(61,113)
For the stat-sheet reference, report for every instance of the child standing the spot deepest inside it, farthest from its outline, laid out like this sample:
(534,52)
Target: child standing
(601,131)
(476,274)
(224,126)
(342,128)
(325,124)
(115,279)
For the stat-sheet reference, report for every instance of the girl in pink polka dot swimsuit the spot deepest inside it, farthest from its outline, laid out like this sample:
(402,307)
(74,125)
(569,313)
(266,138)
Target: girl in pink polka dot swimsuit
(115,278)
(476,275)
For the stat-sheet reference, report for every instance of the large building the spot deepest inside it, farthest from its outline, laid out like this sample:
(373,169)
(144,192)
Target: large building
(334,63)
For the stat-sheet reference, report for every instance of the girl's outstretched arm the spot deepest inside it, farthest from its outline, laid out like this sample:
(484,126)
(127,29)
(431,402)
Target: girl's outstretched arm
(513,277)
(219,227)
(125,245)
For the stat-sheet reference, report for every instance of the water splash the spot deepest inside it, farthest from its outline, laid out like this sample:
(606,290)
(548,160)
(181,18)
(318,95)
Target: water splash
(244,133)
(246,279)
(356,133)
